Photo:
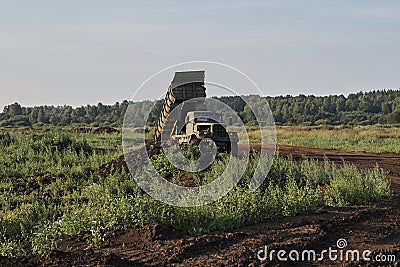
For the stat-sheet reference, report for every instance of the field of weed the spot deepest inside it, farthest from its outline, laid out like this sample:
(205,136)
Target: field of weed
(53,183)
(366,138)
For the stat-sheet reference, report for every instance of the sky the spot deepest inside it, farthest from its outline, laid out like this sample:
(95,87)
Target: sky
(84,52)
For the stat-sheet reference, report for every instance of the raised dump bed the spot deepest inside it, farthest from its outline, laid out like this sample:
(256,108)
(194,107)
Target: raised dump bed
(184,86)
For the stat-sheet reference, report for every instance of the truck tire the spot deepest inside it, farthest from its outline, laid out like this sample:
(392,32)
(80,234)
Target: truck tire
(194,142)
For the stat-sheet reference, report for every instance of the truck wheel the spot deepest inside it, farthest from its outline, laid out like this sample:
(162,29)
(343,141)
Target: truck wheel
(194,142)
(226,148)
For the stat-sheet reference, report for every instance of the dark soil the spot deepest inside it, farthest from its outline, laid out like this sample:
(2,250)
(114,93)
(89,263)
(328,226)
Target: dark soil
(375,227)
(105,129)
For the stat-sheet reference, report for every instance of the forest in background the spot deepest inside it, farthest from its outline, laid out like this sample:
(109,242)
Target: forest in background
(363,108)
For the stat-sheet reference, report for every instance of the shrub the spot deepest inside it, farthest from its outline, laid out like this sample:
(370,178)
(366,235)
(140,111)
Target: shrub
(353,187)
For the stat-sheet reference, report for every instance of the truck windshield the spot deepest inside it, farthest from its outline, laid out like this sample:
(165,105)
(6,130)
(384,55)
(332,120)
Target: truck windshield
(204,129)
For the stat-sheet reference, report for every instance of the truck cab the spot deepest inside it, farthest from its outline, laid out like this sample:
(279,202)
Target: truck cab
(200,125)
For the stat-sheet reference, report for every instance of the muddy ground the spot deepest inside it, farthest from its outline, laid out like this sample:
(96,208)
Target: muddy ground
(374,227)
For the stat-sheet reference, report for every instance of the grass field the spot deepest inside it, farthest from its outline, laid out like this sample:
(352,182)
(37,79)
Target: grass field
(53,183)
(366,138)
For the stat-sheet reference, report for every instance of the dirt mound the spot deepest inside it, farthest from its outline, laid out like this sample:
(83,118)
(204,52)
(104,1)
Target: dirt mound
(35,182)
(105,129)
(111,167)
(73,251)
(374,227)
(83,130)
(136,160)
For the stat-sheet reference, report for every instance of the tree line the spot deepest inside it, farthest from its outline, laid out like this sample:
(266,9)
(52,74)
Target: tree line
(363,108)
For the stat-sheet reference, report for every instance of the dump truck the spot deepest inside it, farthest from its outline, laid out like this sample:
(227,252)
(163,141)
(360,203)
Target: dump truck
(184,116)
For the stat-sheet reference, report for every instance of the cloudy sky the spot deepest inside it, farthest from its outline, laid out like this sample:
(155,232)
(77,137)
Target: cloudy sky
(82,52)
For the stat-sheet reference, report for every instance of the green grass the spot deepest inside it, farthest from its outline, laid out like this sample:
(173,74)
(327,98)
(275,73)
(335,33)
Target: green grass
(368,138)
(50,186)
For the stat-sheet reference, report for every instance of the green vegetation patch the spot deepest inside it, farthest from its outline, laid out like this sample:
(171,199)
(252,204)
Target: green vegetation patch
(51,185)
(368,138)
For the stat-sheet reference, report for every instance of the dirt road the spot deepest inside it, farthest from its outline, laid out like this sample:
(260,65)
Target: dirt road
(371,227)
